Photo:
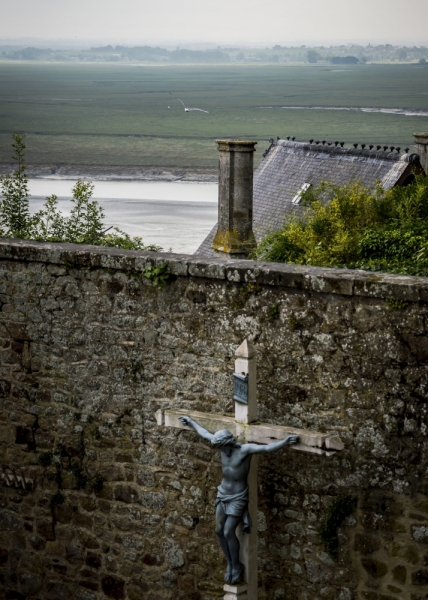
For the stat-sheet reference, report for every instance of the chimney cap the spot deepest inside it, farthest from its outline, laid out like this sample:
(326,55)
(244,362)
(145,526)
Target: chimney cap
(240,142)
(236,145)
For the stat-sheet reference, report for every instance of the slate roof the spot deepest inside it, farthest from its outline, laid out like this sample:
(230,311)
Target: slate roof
(288,165)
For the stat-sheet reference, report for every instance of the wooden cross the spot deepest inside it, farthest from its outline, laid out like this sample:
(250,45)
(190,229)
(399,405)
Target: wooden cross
(246,429)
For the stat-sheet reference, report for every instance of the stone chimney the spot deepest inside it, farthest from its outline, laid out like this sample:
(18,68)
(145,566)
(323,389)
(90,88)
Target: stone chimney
(235,235)
(421,143)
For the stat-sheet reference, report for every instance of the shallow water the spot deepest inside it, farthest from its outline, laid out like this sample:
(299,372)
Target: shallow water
(175,215)
(389,111)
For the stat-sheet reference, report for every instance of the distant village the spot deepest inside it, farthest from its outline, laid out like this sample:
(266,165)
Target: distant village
(345,54)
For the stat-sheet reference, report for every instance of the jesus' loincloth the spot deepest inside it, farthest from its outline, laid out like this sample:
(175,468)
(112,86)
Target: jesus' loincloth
(235,505)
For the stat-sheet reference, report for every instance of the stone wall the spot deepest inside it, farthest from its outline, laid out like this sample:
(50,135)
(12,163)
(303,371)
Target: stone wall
(116,507)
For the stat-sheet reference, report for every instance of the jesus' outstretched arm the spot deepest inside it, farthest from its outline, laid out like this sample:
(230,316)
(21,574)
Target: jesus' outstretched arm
(265,448)
(204,433)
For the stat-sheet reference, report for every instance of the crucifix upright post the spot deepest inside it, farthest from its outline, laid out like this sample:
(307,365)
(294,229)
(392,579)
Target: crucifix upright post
(247,430)
(246,365)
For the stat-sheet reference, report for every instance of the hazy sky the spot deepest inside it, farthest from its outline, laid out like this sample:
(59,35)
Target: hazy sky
(221,21)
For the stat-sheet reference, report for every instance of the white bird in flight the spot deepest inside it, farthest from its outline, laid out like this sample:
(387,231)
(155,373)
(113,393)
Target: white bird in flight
(185,107)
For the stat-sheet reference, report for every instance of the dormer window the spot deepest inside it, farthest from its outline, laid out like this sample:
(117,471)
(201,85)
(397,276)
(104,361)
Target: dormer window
(298,197)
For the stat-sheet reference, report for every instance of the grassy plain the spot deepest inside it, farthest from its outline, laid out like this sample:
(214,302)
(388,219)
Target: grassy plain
(90,114)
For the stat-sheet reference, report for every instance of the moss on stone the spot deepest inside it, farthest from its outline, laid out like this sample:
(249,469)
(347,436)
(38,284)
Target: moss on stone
(396,304)
(336,513)
(273,312)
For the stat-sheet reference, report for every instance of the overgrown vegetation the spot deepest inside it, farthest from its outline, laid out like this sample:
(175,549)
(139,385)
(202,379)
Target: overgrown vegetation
(84,225)
(356,227)
(336,513)
(158,275)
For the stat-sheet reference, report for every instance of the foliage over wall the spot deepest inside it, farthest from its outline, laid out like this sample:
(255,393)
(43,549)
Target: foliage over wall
(83,226)
(356,227)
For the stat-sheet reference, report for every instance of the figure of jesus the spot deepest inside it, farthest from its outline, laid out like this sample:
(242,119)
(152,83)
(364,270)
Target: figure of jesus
(232,494)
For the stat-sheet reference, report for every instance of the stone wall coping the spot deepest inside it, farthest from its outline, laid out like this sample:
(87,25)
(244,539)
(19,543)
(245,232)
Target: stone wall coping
(346,282)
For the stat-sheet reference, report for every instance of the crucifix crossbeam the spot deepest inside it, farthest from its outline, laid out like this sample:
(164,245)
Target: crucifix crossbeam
(258,433)
(247,430)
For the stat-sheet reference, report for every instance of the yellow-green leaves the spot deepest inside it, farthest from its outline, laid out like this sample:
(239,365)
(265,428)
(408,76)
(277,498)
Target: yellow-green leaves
(356,227)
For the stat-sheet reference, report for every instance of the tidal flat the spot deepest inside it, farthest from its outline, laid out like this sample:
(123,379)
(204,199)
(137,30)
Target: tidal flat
(101,116)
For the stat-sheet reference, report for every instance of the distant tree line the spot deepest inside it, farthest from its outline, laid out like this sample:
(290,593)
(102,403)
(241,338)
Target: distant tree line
(110,53)
(349,54)
(28,54)
(147,53)
(314,56)
(358,54)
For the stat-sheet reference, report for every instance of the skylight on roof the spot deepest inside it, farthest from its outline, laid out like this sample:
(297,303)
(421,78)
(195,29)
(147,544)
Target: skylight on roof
(298,197)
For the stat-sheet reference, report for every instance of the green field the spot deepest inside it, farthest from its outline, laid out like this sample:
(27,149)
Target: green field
(102,114)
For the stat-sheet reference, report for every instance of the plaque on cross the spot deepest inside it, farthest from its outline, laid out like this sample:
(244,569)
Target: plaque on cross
(240,439)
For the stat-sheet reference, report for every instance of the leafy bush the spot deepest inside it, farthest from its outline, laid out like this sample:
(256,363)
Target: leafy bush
(356,227)
(158,275)
(83,226)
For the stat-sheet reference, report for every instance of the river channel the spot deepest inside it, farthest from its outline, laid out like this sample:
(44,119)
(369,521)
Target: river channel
(176,215)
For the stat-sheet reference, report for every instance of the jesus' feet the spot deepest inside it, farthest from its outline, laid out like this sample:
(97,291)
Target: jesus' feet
(228,574)
(238,573)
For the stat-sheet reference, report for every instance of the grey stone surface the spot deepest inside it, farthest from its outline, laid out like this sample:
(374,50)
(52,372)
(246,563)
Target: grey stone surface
(90,350)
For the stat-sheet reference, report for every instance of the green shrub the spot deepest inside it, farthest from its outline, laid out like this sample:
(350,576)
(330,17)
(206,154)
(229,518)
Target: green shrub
(356,227)
(158,275)
(14,206)
(83,226)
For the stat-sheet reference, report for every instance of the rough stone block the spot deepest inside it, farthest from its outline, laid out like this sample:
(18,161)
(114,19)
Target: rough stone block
(209,269)
(420,533)
(375,568)
(113,587)
(400,549)
(394,589)
(420,577)
(126,493)
(330,281)
(399,574)
(317,573)
(58,591)
(154,500)
(30,583)
(4,555)
(135,590)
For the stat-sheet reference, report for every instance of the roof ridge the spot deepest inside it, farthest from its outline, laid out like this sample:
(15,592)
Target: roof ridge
(339,150)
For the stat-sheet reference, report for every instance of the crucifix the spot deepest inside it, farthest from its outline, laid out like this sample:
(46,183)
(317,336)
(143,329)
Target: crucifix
(239,440)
